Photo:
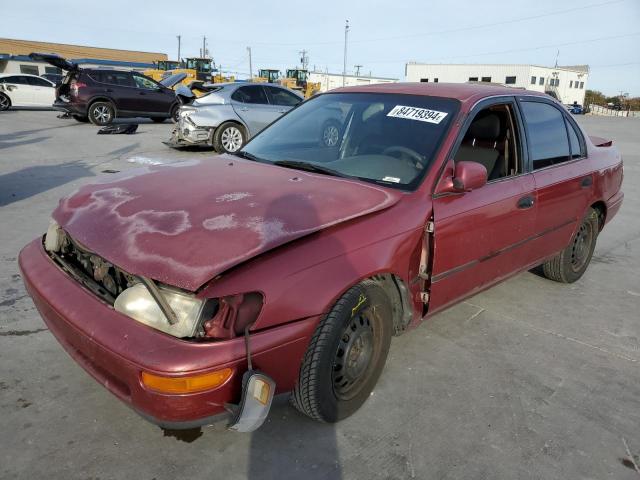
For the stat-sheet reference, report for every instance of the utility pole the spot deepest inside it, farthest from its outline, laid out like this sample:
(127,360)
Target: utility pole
(304,59)
(179,37)
(250,64)
(358,67)
(557,55)
(344,65)
(204,47)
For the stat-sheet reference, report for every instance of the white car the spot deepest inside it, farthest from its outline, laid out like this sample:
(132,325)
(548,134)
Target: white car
(22,90)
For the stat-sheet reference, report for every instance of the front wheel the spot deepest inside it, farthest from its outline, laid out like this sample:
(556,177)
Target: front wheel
(229,138)
(346,355)
(570,264)
(174,114)
(101,113)
(5,102)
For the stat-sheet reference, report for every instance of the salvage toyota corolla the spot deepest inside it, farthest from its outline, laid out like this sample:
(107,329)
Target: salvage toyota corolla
(198,290)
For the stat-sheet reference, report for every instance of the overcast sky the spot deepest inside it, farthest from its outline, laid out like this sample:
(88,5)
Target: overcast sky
(384,35)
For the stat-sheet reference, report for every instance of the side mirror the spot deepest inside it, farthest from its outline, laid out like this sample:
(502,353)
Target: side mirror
(469,176)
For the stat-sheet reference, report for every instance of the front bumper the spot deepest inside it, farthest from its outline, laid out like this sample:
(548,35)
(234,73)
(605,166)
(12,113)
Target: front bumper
(115,349)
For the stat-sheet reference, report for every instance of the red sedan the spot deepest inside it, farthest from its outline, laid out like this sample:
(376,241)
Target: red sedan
(199,289)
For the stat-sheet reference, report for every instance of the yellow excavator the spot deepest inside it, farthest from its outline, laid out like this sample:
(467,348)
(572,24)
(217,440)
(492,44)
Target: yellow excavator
(160,69)
(267,75)
(297,79)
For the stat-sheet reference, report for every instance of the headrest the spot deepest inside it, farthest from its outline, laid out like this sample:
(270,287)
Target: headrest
(485,127)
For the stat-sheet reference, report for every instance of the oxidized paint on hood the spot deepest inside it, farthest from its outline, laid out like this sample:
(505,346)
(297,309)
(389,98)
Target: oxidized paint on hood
(183,224)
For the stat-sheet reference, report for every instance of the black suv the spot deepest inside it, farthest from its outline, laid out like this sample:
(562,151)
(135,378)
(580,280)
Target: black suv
(100,95)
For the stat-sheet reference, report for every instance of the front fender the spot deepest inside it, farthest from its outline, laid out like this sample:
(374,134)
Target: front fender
(306,277)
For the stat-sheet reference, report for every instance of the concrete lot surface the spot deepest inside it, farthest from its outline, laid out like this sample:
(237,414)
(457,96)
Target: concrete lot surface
(530,380)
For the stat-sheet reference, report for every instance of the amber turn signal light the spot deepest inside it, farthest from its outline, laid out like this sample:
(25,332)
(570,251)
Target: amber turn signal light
(187,384)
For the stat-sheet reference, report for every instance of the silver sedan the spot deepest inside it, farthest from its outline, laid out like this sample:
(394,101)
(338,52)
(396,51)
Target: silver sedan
(230,114)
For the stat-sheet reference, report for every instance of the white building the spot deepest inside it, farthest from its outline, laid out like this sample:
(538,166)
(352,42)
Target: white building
(329,81)
(567,84)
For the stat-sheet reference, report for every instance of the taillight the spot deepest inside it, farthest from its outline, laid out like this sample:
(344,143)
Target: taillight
(75,85)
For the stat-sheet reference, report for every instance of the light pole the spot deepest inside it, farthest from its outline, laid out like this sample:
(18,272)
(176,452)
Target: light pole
(344,66)
(250,64)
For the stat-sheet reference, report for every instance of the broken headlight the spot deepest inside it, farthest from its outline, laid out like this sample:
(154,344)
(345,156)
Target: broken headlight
(136,302)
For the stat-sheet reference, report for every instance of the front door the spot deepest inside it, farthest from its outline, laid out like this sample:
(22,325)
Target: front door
(152,96)
(20,90)
(483,236)
(251,104)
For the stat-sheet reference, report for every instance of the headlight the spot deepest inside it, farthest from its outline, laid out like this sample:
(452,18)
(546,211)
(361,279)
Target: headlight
(137,303)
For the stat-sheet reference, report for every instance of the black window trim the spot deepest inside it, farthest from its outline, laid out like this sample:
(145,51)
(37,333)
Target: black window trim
(264,91)
(267,92)
(563,113)
(481,105)
(89,73)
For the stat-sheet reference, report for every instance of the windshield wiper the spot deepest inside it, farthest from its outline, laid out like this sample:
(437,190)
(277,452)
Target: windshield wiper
(247,155)
(309,167)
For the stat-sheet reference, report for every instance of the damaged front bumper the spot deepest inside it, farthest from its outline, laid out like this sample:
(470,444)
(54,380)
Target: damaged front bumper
(116,349)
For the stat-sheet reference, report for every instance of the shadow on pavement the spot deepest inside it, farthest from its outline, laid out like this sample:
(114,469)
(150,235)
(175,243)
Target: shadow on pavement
(29,181)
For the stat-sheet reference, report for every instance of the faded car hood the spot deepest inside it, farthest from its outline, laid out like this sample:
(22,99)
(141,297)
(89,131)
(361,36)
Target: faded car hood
(184,223)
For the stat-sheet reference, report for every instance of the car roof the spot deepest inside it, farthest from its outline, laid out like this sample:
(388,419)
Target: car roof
(19,75)
(463,92)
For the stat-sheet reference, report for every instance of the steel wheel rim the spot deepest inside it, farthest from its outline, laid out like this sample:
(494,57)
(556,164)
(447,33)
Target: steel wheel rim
(581,246)
(330,136)
(101,113)
(4,102)
(356,354)
(231,139)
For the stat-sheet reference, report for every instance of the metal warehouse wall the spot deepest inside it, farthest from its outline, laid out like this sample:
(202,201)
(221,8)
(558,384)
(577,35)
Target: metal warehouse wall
(25,47)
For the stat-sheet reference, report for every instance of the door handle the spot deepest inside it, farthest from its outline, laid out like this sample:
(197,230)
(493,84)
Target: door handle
(586,182)
(525,202)
(244,109)
(282,111)
(108,90)
(142,93)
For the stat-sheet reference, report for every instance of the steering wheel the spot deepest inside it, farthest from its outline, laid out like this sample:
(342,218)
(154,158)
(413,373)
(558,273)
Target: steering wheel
(405,154)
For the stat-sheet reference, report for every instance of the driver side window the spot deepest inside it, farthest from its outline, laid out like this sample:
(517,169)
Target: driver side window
(492,140)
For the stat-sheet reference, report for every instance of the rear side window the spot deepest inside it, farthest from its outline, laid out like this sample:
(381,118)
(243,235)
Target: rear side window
(250,94)
(574,141)
(113,77)
(280,96)
(546,134)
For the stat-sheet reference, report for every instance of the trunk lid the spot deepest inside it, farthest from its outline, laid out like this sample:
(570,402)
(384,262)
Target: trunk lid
(183,224)
(55,60)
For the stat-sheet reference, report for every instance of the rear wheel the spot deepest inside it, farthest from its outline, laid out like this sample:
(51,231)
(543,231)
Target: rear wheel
(346,355)
(570,264)
(229,138)
(101,113)
(5,102)
(81,118)
(158,119)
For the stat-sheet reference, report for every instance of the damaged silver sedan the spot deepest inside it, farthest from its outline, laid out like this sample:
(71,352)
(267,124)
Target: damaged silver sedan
(229,114)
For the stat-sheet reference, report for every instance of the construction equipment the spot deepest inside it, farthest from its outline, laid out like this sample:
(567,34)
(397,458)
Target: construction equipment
(161,67)
(297,79)
(267,75)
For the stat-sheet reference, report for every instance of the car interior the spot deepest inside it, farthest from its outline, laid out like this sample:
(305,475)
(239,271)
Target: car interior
(491,140)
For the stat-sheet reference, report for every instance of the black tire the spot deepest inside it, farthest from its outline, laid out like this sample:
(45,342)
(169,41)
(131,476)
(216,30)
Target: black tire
(174,113)
(5,102)
(334,382)
(330,133)
(101,113)
(158,119)
(570,264)
(229,138)
(80,118)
